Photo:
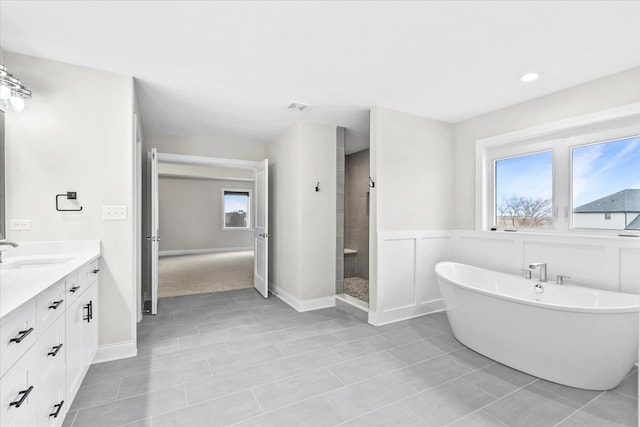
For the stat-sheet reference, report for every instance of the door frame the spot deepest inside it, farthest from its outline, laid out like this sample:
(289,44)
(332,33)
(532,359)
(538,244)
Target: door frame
(187,159)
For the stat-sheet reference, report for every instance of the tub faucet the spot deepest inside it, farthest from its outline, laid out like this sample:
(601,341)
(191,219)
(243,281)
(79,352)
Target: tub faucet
(543,269)
(15,245)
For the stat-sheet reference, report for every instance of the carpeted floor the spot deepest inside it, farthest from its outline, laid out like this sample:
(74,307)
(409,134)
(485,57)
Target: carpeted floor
(357,287)
(202,273)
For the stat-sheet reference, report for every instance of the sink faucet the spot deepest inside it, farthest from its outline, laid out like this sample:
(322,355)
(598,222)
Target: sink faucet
(543,269)
(15,245)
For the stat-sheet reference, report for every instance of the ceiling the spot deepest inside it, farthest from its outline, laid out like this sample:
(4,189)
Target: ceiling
(231,68)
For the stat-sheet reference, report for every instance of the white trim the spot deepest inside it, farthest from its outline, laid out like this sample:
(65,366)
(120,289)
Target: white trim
(136,219)
(560,136)
(353,301)
(169,175)
(303,305)
(203,251)
(397,315)
(109,352)
(202,160)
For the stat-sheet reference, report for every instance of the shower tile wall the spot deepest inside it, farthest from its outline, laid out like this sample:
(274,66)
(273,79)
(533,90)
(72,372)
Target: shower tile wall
(356,225)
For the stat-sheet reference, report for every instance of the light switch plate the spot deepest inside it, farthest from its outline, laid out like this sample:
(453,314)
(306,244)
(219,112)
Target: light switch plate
(114,213)
(19,224)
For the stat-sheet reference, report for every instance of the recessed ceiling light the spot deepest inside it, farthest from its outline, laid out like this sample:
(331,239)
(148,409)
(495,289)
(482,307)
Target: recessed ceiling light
(298,106)
(529,77)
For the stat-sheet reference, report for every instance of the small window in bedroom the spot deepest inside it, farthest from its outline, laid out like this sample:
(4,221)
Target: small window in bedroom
(236,209)
(524,190)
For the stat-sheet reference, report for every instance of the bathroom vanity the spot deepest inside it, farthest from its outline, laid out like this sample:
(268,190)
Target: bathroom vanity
(48,329)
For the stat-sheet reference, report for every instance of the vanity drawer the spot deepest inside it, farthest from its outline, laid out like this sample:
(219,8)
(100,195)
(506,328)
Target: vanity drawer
(50,352)
(94,268)
(54,406)
(50,305)
(73,288)
(17,335)
(19,391)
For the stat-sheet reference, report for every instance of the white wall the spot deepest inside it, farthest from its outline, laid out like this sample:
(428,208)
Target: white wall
(77,135)
(190,216)
(613,91)
(208,145)
(303,221)
(412,166)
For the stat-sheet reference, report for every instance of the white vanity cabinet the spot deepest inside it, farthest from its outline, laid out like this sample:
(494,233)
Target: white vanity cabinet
(47,344)
(82,328)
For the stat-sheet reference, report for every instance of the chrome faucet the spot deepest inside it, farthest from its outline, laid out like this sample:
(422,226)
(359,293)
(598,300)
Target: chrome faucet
(15,245)
(543,269)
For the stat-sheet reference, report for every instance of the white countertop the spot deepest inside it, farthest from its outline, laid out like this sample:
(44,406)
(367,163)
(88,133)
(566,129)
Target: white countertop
(18,286)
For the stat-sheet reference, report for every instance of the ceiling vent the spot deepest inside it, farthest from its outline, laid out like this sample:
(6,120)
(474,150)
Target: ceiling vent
(298,106)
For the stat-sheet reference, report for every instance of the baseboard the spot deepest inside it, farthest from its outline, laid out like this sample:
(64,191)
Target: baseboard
(404,313)
(303,305)
(109,352)
(202,251)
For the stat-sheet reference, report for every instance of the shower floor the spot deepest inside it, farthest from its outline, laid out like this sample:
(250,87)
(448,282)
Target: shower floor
(357,287)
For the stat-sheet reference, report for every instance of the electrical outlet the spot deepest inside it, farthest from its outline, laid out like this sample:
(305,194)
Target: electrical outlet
(114,213)
(19,224)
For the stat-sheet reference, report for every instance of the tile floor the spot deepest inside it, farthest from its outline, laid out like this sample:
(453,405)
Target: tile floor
(234,358)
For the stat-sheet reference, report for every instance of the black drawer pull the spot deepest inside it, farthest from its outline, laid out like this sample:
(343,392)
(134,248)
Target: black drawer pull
(23,335)
(95,271)
(25,394)
(74,289)
(56,304)
(55,351)
(89,308)
(57,411)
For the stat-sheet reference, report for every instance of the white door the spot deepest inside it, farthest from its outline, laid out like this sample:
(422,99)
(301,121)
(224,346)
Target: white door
(261,231)
(154,237)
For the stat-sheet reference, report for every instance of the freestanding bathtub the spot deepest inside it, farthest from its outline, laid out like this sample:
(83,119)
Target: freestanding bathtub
(571,335)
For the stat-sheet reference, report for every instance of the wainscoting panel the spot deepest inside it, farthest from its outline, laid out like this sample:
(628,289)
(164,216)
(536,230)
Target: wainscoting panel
(601,262)
(574,260)
(397,269)
(630,270)
(495,254)
(406,284)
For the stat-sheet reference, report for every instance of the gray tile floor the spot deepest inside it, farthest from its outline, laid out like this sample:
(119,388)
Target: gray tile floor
(234,358)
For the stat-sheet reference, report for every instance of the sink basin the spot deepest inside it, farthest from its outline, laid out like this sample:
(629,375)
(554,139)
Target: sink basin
(24,264)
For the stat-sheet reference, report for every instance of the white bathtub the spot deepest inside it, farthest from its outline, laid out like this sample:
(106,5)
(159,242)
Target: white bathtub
(570,335)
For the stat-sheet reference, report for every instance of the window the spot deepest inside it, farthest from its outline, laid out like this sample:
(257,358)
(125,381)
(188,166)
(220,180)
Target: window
(606,180)
(580,174)
(523,192)
(236,209)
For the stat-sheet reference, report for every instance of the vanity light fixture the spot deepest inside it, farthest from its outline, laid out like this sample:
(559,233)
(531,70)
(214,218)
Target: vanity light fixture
(12,91)
(529,77)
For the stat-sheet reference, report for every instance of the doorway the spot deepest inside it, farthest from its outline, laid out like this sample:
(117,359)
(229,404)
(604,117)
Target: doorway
(199,198)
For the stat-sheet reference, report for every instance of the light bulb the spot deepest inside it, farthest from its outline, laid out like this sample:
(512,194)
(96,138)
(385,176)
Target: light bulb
(529,77)
(5,93)
(17,103)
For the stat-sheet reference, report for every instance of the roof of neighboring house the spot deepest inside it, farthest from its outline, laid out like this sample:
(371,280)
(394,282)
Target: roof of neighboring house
(623,201)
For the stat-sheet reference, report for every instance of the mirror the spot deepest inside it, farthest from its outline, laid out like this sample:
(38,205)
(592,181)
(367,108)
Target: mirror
(3,233)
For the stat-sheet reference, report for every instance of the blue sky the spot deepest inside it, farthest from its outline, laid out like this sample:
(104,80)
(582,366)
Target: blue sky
(528,176)
(602,169)
(598,170)
(235,203)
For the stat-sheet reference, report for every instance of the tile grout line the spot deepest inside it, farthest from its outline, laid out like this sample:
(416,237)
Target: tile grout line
(580,408)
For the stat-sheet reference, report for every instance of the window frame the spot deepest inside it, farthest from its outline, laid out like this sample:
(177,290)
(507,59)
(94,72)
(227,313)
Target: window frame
(249,226)
(559,138)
